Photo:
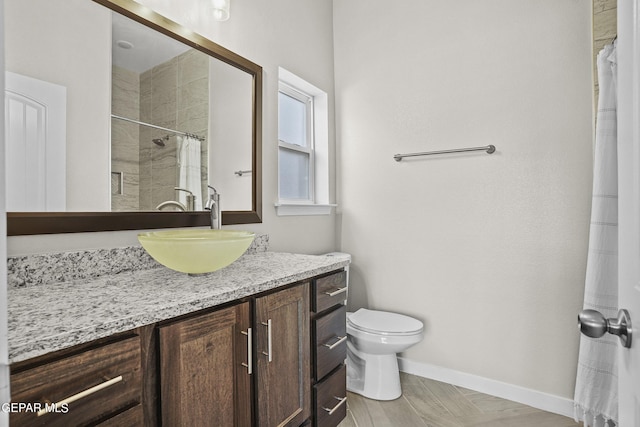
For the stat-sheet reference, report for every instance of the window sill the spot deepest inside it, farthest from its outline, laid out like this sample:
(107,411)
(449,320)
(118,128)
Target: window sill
(285,209)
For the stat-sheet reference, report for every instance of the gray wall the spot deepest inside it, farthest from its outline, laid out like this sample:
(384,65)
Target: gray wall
(489,251)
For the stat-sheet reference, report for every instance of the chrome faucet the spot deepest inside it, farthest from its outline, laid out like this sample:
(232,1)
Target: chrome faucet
(171,203)
(191,201)
(191,198)
(213,205)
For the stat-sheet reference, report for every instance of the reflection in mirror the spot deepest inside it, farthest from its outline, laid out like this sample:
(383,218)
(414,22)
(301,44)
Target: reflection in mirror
(166,100)
(160,111)
(46,45)
(230,167)
(149,110)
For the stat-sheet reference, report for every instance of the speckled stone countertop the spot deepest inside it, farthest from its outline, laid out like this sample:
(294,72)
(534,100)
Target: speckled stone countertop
(54,316)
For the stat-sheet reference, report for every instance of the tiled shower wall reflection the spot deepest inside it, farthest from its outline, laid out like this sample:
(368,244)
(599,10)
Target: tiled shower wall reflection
(173,95)
(125,141)
(605,28)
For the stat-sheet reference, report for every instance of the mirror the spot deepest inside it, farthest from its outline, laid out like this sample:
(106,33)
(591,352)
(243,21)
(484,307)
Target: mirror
(133,123)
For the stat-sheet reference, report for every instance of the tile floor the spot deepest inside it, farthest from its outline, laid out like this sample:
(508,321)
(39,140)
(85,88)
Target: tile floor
(428,403)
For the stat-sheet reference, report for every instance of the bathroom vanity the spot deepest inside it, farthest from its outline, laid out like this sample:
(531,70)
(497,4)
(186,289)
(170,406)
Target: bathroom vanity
(260,342)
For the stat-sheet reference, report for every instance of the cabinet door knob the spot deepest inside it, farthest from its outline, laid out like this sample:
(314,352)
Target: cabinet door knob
(337,343)
(268,353)
(249,364)
(335,408)
(80,395)
(336,292)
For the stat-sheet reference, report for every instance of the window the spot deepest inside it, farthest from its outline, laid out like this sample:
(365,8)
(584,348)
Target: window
(303,147)
(295,145)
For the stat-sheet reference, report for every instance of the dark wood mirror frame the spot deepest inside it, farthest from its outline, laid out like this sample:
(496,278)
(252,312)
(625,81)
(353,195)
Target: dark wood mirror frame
(30,223)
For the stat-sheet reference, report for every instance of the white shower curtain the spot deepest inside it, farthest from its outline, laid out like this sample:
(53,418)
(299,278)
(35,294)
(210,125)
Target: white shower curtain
(596,394)
(189,170)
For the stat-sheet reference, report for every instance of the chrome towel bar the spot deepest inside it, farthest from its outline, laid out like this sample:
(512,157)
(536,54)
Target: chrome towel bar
(488,148)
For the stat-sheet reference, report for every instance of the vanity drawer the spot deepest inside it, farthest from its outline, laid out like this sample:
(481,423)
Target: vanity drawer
(130,417)
(330,333)
(329,291)
(96,383)
(330,398)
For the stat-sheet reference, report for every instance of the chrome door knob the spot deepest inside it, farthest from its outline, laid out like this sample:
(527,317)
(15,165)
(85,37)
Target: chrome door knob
(593,324)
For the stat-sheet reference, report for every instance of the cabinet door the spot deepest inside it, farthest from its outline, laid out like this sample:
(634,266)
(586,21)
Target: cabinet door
(283,351)
(204,380)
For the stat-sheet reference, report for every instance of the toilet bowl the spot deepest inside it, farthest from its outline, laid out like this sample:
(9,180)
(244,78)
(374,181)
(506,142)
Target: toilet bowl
(374,338)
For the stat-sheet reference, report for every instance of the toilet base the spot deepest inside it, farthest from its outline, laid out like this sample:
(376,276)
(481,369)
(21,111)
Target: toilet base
(375,376)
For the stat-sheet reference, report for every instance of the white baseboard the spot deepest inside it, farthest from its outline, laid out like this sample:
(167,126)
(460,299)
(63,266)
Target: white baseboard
(537,399)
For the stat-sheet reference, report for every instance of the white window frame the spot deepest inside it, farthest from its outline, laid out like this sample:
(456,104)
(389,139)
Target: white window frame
(319,168)
(309,149)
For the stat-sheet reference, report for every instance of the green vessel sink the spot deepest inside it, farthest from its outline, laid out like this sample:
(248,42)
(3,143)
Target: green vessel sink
(196,251)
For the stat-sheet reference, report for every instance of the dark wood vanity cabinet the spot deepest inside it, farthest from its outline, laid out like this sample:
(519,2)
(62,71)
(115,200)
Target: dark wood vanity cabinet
(268,360)
(329,342)
(283,357)
(208,363)
(204,377)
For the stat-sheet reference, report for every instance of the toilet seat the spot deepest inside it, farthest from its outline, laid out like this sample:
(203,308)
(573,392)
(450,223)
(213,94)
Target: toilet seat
(384,323)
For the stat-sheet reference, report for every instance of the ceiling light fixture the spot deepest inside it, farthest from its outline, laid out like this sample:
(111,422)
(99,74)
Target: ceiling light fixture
(220,9)
(124,44)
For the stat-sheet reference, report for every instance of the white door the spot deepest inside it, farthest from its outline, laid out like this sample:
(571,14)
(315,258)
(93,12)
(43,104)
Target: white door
(629,203)
(35,129)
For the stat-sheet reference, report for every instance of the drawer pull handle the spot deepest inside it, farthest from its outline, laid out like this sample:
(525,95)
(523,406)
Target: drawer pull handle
(336,292)
(335,408)
(337,343)
(249,364)
(268,353)
(80,395)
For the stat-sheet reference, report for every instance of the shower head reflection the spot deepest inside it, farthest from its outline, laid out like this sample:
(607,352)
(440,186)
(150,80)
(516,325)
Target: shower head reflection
(160,142)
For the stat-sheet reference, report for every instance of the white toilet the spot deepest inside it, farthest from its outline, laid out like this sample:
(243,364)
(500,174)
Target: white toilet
(374,338)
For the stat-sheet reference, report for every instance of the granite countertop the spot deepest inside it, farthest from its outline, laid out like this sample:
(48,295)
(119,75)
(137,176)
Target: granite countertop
(55,316)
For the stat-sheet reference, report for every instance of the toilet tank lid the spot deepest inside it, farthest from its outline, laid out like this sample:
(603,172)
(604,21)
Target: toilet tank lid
(385,322)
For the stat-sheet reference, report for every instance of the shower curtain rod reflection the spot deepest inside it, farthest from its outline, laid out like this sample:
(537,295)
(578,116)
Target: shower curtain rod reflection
(126,119)
(490,149)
